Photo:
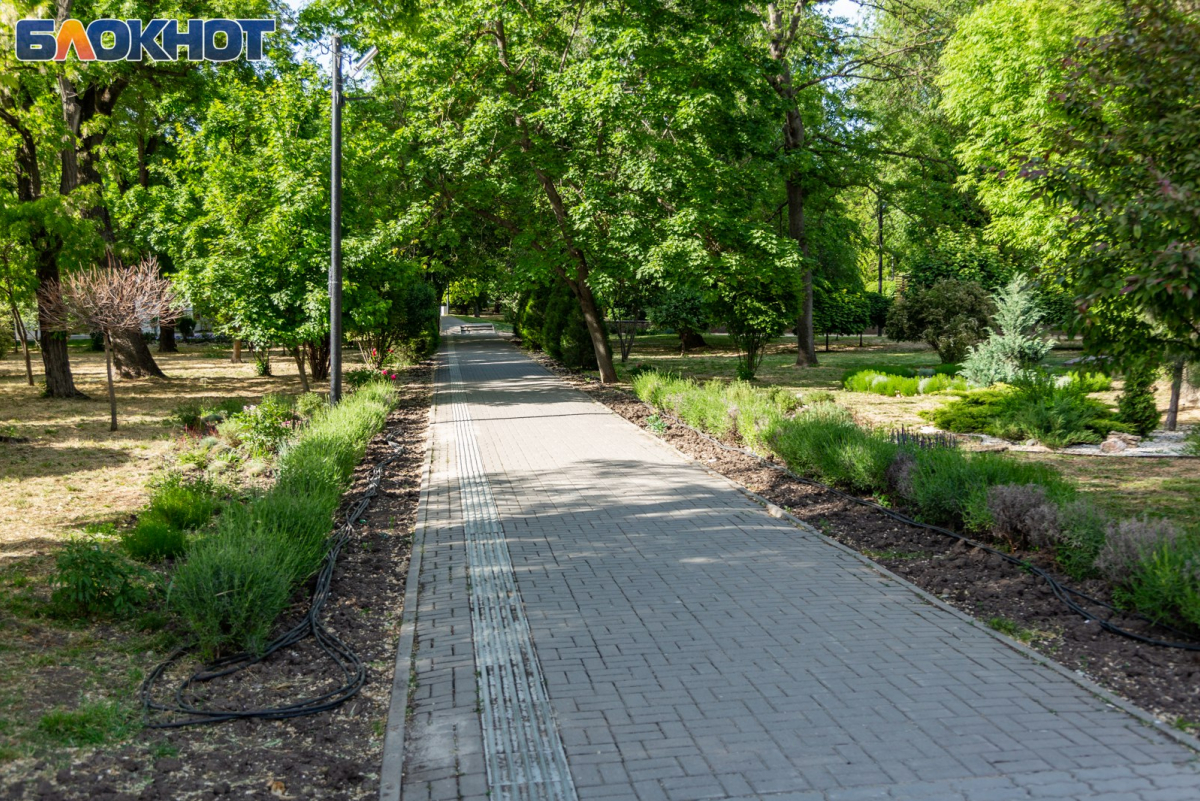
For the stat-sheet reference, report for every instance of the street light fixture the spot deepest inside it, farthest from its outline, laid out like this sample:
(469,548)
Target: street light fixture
(335,254)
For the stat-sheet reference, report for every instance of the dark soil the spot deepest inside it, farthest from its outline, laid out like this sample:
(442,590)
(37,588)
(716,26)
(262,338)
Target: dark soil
(332,755)
(1164,681)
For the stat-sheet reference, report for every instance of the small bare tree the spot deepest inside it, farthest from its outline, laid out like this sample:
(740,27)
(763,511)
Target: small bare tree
(111,299)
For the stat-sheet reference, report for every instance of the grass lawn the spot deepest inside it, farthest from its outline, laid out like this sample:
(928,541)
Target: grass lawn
(1123,486)
(73,473)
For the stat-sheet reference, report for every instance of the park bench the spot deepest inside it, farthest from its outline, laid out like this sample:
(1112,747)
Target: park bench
(470,328)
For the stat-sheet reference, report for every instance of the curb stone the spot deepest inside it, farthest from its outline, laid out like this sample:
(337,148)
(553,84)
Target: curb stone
(391,772)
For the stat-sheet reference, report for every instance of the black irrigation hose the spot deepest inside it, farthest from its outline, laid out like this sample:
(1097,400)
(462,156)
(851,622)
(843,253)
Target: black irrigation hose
(1065,594)
(354,673)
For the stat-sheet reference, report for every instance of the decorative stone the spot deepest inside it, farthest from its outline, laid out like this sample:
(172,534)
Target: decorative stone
(1113,446)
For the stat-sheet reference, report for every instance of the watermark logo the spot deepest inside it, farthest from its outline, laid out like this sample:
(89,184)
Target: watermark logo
(129,39)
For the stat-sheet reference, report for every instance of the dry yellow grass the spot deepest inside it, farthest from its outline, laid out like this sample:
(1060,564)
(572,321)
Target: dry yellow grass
(74,471)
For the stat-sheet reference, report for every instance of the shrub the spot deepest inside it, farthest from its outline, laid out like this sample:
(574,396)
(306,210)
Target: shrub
(261,428)
(1165,584)
(1090,382)
(1022,515)
(186,326)
(1014,345)
(183,504)
(262,362)
(906,372)
(236,581)
(1136,406)
(972,413)
(310,405)
(716,407)
(1056,416)
(360,376)
(950,316)
(154,539)
(1035,409)
(1079,539)
(892,385)
(950,487)
(1191,443)
(188,415)
(899,474)
(824,442)
(89,579)
(1130,541)
(197,418)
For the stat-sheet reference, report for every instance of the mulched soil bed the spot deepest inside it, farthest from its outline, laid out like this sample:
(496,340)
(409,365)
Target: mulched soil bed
(333,755)
(1164,681)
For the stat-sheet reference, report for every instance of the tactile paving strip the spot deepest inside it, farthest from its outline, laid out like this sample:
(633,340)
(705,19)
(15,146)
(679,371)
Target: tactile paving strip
(522,748)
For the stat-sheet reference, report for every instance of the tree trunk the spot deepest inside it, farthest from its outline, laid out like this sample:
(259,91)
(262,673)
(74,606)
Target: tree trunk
(1176,390)
(689,340)
(112,394)
(132,357)
(55,359)
(318,359)
(806,346)
(19,325)
(166,339)
(236,358)
(591,315)
(299,357)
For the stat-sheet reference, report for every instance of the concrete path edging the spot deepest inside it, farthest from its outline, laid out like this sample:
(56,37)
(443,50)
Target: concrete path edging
(391,771)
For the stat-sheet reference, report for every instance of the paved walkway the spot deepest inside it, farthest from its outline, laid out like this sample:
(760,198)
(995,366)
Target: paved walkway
(600,619)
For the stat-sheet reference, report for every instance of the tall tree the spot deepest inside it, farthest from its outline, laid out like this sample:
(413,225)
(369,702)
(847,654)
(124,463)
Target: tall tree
(815,59)
(567,124)
(1080,128)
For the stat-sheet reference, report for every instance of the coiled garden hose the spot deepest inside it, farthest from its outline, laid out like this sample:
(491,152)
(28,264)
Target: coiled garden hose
(354,673)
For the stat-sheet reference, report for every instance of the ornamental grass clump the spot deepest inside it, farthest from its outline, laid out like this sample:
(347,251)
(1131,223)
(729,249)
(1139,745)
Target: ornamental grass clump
(237,580)
(718,408)
(893,385)
(823,441)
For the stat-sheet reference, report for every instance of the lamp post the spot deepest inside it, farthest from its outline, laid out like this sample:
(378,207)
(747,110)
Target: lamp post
(335,223)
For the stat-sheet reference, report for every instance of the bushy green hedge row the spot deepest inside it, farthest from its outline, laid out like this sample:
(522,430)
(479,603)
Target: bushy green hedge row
(892,385)
(237,580)
(549,318)
(1150,563)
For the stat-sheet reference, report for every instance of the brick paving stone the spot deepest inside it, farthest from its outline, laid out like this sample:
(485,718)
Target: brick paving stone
(695,647)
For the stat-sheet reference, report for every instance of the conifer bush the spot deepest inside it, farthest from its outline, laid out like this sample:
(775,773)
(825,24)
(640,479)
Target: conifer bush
(1014,343)
(1136,406)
